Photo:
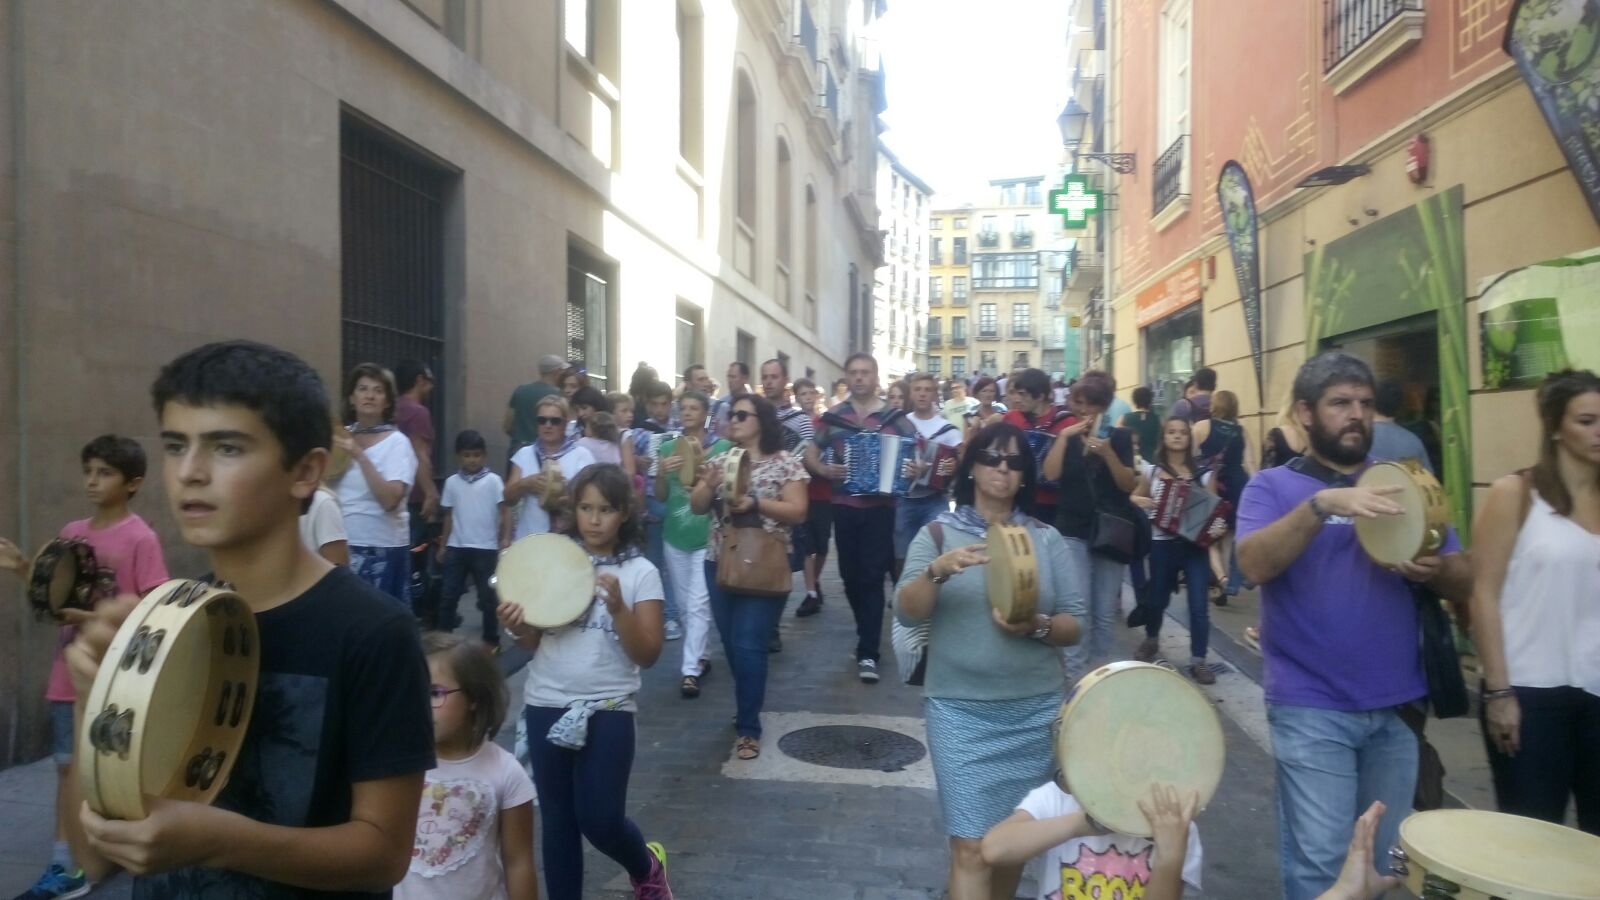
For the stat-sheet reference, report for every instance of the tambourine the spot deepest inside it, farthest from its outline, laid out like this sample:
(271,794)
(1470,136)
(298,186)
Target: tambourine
(1418,531)
(171,703)
(735,474)
(1127,726)
(1474,854)
(1012,573)
(693,455)
(63,575)
(549,576)
(554,484)
(338,457)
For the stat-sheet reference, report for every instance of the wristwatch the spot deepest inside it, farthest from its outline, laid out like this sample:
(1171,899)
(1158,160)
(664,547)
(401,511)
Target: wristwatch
(1042,629)
(1317,510)
(936,579)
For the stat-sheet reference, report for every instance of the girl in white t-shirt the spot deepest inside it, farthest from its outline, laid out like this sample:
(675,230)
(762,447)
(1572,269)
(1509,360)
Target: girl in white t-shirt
(1082,860)
(475,825)
(579,695)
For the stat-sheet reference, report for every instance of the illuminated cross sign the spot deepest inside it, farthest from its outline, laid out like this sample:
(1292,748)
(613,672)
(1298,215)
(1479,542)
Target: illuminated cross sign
(1074,202)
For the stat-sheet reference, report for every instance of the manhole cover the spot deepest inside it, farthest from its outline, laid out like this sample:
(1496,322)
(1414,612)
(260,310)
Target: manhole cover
(853,747)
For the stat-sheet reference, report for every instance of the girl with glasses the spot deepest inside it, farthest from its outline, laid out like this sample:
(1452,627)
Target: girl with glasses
(991,688)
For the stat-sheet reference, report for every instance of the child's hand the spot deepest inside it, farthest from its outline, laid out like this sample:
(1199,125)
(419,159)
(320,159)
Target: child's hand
(11,557)
(95,631)
(611,589)
(1169,814)
(510,616)
(1359,880)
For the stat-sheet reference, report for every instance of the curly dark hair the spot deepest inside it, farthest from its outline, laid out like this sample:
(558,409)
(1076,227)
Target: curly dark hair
(121,453)
(771,440)
(616,488)
(988,437)
(277,385)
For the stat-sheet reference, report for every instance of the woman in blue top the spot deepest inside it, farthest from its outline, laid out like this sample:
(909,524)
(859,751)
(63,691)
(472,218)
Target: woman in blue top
(992,689)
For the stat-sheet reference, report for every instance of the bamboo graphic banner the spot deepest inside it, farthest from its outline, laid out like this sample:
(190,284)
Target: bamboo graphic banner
(1556,45)
(1239,219)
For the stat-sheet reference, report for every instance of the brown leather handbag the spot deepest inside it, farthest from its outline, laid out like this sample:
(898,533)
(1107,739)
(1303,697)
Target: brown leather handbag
(754,562)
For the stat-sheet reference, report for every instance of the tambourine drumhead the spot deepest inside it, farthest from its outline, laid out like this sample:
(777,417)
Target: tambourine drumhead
(1013,572)
(1419,530)
(689,450)
(61,577)
(1490,854)
(171,703)
(554,485)
(735,474)
(549,576)
(1127,726)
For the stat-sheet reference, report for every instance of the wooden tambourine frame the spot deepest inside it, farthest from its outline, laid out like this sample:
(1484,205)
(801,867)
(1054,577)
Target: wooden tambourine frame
(1012,573)
(1473,854)
(63,575)
(554,484)
(549,576)
(1417,532)
(338,458)
(735,474)
(171,703)
(1129,725)
(693,455)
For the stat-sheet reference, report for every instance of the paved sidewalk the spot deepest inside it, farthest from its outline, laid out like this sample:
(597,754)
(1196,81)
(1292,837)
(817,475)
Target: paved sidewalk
(754,837)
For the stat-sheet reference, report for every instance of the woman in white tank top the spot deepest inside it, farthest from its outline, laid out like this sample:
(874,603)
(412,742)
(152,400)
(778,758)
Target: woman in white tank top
(1536,614)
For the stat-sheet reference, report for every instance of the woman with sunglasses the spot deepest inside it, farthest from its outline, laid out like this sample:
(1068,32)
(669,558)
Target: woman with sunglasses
(527,481)
(776,502)
(991,689)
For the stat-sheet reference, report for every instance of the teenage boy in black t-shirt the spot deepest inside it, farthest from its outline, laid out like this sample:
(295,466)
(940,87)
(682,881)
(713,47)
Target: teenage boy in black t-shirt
(323,800)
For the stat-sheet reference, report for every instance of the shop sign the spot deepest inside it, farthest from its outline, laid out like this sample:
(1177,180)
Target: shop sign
(1170,294)
(1075,202)
(1556,46)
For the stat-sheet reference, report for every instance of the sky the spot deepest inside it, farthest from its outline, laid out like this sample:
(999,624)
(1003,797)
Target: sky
(974,90)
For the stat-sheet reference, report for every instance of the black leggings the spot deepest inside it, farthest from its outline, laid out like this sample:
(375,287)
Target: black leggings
(583,794)
(1558,757)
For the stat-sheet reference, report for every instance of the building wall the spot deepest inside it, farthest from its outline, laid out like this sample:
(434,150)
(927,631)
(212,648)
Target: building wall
(946,351)
(900,288)
(1282,120)
(1006,345)
(171,175)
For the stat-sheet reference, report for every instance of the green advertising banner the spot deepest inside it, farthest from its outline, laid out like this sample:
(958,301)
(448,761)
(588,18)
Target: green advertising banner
(1403,265)
(1540,318)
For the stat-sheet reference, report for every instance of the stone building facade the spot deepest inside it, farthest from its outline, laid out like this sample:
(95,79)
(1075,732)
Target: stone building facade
(900,286)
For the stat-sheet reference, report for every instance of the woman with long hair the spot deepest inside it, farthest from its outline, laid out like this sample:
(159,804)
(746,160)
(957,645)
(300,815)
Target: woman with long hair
(897,396)
(1175,463)
(776,502)
(372,491)
(991,688)
(1287,440)
(1222,443)
(1536,613)
(989,411)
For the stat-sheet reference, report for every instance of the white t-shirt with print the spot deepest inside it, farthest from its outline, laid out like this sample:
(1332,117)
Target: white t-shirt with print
(323,522)
(1102,865)
(585,660)
(531,517)
(457,848)
(474,510)
(368,523)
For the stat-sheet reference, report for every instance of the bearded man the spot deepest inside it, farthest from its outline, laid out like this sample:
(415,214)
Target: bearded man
(1339,633)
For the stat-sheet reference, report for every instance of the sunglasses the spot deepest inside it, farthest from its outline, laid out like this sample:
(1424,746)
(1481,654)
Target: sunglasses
(549,420)
(740,415)
(993,459)
(440,694)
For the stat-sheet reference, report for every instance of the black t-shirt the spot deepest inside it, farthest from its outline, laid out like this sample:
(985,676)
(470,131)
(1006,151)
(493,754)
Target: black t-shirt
(1075,499)
(343,698)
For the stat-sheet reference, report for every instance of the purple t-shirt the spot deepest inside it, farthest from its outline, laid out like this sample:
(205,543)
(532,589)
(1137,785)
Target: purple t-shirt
(1338,631)
(415,422)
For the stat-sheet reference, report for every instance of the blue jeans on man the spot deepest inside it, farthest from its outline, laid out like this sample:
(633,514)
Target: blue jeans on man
(911,514)
(1331,765)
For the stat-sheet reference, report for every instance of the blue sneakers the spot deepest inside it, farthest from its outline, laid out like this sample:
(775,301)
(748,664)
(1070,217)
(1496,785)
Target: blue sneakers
(58,884)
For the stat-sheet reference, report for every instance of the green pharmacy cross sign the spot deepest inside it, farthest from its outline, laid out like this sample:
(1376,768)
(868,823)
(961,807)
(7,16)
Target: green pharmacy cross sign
(1074,202)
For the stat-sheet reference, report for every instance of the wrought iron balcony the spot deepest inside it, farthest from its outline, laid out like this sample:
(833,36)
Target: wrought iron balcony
(958,340)
(1170,183)
(1347,25)
(1021,240)
(988,239)
(988,334)
(935,341)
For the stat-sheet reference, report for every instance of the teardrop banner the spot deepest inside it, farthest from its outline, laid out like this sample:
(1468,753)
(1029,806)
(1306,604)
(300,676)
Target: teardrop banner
(1556,46)
(1239,220)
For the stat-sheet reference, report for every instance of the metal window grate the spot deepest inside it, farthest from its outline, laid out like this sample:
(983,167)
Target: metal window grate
(1348,24)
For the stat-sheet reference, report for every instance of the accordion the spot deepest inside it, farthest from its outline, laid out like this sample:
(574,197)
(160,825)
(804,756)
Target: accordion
(1188,511)
(875,463)
(652,450)
(938,456)
(1039,445)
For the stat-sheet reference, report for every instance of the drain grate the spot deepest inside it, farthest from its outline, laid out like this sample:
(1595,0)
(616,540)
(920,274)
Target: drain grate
(853,747)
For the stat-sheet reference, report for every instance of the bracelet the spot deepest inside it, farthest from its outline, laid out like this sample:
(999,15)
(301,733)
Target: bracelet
(936,579)
(1317,510)
(1043,628)
(1503,694)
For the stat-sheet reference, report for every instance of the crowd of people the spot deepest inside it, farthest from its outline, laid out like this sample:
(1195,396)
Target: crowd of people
(371,761)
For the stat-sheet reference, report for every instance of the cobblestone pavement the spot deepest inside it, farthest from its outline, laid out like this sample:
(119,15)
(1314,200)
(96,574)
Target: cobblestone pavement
(790,830)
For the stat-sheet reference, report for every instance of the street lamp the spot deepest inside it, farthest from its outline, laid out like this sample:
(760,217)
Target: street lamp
(1073,121)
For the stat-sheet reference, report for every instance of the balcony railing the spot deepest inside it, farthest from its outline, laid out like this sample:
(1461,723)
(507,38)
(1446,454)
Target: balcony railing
(806,33)
(1348,24)
(935,341)
(958,340)
(988,239)
(958,300)
(1021,240)
(936,300)
(1021,331)
(1169,181)
(960,258)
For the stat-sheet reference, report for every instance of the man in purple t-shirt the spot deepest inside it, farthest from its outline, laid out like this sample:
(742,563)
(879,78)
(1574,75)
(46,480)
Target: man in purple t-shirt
(1339,633)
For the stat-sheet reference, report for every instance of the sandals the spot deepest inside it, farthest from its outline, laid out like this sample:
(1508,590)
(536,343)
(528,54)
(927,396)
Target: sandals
(747,748)
(690,686)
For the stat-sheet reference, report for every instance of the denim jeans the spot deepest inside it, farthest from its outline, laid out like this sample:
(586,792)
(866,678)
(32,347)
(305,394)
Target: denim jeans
(584,794)
(460,563)
(911,514)
(655,551)
(744,623)
(866,551)
(1331,765)
(1558,757)
(385,568)
(1167,559)
(1100,583)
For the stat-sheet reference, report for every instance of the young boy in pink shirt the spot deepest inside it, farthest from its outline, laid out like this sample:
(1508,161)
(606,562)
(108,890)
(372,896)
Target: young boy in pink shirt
(113,469)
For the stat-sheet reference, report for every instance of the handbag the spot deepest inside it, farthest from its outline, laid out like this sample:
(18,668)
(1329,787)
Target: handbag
(753,562)
(1447,687)
(910,642)
(1115,534)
